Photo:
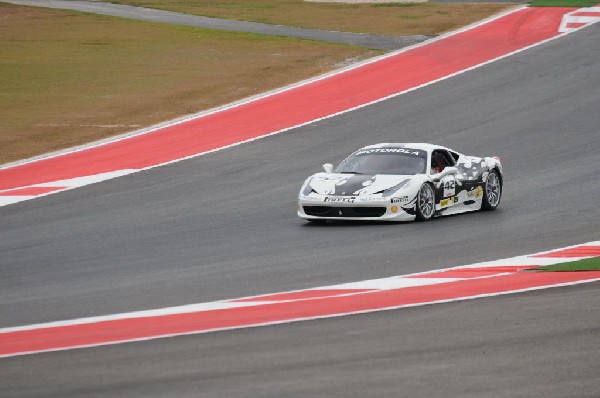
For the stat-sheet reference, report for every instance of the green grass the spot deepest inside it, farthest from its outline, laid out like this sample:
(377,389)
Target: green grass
(589,264)
(564,3)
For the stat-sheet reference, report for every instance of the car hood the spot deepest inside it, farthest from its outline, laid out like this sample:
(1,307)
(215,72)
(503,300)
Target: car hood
(356,184)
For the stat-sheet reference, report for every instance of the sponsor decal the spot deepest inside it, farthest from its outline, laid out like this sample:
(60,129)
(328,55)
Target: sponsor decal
(448,201)
(337,199)
(478,192)
(404,151)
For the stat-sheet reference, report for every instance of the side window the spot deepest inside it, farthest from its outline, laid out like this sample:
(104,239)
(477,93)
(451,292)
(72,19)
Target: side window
(455,156)
(449,158)
(441,159)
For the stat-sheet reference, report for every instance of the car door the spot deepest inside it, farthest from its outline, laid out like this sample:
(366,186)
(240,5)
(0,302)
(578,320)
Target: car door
(445,185)
(461,180)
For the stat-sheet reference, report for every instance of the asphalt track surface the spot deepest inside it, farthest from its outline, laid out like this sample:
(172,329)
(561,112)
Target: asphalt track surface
(223,225)
(152,15)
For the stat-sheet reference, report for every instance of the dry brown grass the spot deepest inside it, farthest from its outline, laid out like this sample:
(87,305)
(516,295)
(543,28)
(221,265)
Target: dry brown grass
(386,19)
(68,78)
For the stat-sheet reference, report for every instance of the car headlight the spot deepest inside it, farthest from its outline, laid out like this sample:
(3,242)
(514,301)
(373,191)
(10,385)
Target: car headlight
(307,190)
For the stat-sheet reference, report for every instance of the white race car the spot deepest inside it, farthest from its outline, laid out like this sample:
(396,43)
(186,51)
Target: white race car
(401,182)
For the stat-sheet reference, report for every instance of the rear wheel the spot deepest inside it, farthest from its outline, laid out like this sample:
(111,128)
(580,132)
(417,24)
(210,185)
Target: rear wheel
(492,192)
(425,207)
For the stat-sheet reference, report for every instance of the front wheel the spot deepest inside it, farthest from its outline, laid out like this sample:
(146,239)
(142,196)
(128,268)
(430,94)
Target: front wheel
(425,207)
(492,192)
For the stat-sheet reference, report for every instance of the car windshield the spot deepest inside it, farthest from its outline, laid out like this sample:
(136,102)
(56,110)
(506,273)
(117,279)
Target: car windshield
(385,161)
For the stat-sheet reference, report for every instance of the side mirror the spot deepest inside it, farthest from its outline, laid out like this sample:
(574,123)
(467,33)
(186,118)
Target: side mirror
(328,167)
(449,171)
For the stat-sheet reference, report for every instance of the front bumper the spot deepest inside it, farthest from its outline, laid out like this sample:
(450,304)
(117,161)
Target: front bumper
(323,207)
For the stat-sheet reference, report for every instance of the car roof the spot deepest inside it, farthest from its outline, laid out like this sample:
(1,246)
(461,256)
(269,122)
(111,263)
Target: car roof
(412,145)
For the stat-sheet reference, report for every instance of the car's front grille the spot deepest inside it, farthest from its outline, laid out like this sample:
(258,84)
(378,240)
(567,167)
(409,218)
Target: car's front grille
(327,211)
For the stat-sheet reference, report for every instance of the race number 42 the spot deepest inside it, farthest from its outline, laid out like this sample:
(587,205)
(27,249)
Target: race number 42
(449,188)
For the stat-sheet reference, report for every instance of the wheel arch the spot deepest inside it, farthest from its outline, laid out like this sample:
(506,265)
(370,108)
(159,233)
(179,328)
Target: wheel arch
(500,175)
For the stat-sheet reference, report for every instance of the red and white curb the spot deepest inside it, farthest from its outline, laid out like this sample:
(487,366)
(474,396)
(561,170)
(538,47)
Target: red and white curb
(10,196)
(361,85)
(473,281)
(579,19)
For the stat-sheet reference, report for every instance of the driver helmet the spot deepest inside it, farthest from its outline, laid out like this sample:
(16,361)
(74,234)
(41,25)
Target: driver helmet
(437,164)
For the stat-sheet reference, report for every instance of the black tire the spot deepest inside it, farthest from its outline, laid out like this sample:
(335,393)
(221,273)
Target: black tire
(492,191)
(425,206)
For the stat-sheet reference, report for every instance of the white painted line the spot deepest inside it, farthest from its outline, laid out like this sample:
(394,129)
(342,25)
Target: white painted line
(283,322)
(65,185)
(87,180)
(393,282)
(586,16)
(9,200)
(523,261)
(182,309)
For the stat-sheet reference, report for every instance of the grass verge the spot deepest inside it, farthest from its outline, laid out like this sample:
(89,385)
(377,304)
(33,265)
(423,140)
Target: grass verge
(68,78)
(588,264)
(564,3)
(385,19)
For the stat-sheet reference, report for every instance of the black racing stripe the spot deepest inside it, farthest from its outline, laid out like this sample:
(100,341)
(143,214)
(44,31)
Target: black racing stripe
(353,184)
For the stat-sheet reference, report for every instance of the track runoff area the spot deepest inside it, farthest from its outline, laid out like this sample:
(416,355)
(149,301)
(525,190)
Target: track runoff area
(511,275)
(295,106)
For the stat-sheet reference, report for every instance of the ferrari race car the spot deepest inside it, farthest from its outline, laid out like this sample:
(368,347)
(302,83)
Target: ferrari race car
(401,182)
